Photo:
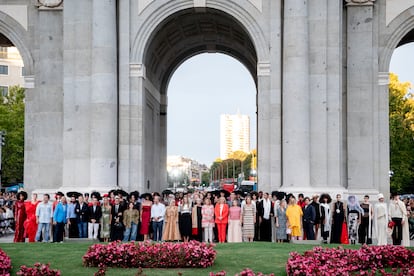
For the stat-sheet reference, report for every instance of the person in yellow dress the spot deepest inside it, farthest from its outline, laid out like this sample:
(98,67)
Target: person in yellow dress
(294,216)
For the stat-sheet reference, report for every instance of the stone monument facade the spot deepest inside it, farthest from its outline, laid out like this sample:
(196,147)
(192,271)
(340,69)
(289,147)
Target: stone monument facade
(97,71)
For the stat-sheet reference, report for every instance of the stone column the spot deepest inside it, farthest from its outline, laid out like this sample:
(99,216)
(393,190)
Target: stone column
(104,128)
(361,62)
(295,96)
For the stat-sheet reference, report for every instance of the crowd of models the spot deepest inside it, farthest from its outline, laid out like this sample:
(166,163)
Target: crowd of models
(216,216)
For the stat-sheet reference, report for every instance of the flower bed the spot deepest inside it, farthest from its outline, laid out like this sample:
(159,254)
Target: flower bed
(150,255)
(5,263)
(368,260)
(38,270)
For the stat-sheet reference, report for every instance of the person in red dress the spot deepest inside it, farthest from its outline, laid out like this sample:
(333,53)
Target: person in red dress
(19,216)
(30,225)
(221,212)
(145,215)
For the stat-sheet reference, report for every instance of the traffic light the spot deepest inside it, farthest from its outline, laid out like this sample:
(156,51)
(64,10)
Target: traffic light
(2,138)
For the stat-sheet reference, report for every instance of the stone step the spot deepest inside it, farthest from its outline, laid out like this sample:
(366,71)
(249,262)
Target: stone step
(80,240)
(313,242)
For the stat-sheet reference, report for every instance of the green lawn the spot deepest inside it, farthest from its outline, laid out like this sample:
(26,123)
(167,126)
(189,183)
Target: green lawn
(259,256)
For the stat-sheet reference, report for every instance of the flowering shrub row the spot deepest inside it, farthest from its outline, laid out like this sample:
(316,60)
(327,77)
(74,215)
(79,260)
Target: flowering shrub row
(38,270)
(150,255)
(5,263)
(245,272)
(368,260)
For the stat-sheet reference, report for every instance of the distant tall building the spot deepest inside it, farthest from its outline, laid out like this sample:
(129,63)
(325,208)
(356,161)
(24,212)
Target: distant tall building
(11,67)
(234,134)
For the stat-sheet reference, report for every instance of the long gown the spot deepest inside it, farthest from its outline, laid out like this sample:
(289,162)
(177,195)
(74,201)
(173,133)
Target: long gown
(146,217)
(106,222)
(381,221)
(281,230)
(19,218)
(30,225)
(171,231)
(248,213)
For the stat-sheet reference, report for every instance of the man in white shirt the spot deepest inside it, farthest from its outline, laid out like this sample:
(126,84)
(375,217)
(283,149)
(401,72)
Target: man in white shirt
(44,216)
(157,217)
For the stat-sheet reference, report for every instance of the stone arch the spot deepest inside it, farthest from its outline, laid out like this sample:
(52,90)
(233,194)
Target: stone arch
(15,32)
(187,33)
(401,30)
(157,14)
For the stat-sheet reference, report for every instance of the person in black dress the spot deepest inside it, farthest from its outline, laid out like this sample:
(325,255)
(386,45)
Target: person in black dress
(338,217)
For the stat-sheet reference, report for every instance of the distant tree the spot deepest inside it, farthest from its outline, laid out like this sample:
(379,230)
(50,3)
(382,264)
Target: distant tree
(205,178)
(401,116)
(12,121)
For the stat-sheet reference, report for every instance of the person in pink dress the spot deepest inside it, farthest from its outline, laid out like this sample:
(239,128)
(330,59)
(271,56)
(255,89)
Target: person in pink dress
(234,231)
(207,220)
(30,225)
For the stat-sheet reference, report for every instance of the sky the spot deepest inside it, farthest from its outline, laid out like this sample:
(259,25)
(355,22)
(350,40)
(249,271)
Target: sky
(207,85)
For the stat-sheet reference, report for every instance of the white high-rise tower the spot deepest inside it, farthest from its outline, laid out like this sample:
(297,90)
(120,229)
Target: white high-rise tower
(234,134)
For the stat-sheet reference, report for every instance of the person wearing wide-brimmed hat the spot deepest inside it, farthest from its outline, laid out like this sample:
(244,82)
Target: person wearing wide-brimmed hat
(381,220)
(19,216)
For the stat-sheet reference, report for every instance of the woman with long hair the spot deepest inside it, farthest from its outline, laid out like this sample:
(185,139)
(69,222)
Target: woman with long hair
(234,231)
(171,231)
(281,222)
(248,219)
(185,219)
(130,220)
(145,218)
(30,224)
(106,219)
(19,216)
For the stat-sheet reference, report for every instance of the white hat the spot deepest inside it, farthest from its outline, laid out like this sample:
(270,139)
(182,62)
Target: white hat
(380,196)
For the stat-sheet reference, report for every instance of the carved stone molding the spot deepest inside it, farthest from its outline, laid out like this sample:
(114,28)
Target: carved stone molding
(360,2)
(49,4)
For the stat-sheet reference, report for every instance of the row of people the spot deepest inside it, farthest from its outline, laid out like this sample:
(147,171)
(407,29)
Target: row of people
(207,217)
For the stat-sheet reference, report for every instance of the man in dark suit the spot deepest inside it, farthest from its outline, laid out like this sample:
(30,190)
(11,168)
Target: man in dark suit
(95,215)
(82,218)
(309,217)
(117,227)
(265,212)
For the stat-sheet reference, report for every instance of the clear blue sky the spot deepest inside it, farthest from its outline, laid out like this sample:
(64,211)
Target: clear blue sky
(208,85)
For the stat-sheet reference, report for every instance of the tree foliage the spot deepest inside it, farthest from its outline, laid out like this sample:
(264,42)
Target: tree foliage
(12,121)
(237,163)
(401,111)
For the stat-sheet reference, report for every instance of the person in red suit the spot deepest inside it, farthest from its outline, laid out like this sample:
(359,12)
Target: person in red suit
(221,212)
(19,216)
(30,224)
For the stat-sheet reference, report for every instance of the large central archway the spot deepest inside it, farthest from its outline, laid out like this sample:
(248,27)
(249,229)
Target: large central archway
(179,36)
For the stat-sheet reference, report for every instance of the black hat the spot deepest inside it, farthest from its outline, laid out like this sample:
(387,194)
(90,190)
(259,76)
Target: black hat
(59,193)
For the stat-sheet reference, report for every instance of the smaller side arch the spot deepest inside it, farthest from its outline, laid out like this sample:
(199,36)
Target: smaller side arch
(15,32)
(398,28)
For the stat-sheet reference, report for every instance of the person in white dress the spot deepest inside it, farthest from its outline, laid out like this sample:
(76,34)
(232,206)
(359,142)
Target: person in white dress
(381,220)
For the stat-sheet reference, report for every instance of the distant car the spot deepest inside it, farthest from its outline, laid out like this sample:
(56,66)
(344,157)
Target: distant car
(247,186)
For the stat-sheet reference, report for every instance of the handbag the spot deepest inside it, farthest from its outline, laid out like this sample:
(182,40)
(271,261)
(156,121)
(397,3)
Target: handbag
(391,224)
(288,231)
(194,231)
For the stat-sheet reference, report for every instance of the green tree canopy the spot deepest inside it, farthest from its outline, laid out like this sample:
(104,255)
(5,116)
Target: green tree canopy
(12,121)
(401,111)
